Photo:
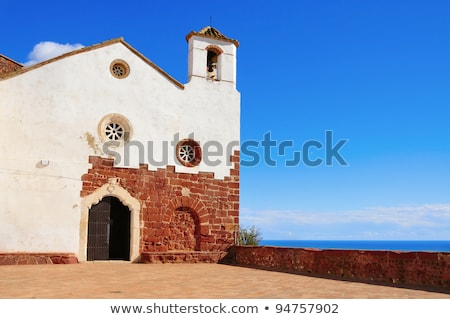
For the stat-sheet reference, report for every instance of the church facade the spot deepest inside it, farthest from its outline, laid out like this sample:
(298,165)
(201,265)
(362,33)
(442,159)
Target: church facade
(105,156)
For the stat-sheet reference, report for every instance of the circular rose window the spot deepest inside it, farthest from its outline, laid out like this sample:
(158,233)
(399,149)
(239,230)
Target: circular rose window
(114,127)
(114,132)
(189,152)
(119,69)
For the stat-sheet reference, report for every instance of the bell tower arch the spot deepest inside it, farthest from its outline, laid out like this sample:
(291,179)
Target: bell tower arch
(212,56)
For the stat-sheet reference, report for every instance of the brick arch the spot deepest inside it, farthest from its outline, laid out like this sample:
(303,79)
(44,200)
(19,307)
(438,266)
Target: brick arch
(199,212)
(194,203)
(212,47)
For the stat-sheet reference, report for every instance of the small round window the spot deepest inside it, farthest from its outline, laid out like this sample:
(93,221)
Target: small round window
(114,127)
(189,153)
(114,132)
(119,69)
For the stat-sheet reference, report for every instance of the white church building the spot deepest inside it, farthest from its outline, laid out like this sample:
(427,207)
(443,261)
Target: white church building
(105,156)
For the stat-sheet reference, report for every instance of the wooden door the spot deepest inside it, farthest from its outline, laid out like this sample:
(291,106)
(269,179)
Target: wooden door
(99,230)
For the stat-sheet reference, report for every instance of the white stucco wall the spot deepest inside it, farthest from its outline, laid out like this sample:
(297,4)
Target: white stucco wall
(52,113)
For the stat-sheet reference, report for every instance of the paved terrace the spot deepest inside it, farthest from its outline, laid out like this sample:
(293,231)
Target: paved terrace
(151,281)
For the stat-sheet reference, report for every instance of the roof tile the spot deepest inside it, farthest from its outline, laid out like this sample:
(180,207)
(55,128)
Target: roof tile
(210,32)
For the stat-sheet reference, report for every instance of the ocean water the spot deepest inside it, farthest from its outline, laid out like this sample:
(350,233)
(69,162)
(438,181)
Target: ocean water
(396,245)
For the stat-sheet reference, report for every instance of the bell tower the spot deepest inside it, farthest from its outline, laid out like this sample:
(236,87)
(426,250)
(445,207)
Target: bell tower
(212,56)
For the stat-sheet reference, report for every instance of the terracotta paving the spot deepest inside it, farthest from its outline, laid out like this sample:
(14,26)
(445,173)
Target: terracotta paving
(114,280)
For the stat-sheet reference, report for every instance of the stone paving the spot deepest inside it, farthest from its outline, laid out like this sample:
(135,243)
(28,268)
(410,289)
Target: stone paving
(114,280)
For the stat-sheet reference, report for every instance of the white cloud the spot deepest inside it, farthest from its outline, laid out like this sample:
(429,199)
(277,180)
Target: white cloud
(47,49)
(420,222)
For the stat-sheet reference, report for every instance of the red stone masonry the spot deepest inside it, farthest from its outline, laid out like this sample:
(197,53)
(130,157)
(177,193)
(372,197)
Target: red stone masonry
(410,269)
(37,258)
(7,65)
(179,211)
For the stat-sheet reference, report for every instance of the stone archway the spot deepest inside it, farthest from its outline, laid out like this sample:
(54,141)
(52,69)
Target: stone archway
(115,190)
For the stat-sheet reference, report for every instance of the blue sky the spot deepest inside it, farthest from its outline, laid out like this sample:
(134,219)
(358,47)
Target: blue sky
(375,73)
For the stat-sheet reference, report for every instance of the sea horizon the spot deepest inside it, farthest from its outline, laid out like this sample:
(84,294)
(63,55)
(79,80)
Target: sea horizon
(392,245)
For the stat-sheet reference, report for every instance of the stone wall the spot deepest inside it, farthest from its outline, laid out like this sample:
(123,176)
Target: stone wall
(416,269)
(33,259)
(186,257)
(179,211)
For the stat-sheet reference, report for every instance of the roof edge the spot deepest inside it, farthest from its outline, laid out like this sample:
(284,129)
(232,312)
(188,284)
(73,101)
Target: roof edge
(26,69)
(13,61)
(149,62)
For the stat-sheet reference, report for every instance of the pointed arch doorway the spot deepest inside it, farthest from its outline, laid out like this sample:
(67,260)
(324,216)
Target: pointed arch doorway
(109,230)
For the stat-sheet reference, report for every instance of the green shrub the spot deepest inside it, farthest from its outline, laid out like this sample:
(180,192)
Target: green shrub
(249,237)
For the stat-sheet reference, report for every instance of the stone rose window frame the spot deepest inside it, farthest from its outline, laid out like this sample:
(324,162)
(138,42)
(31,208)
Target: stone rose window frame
(189,153)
